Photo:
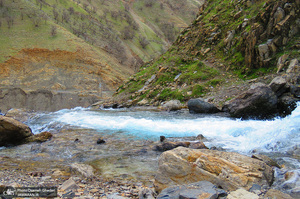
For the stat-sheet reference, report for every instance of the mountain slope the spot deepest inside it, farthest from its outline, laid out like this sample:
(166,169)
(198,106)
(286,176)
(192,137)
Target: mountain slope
(102,41)
(228,43)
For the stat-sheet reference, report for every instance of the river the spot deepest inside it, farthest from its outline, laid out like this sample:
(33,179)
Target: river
(130,135)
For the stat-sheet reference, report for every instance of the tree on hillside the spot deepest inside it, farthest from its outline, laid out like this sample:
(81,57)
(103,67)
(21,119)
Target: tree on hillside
(149,3)
(10,21)
(143,41)
(55,14)
(53,30)
(127,33)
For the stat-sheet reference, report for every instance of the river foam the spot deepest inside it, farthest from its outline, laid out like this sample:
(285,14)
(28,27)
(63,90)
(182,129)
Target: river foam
(243,136)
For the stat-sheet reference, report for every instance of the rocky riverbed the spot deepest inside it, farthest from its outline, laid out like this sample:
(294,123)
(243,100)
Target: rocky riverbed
(123,161)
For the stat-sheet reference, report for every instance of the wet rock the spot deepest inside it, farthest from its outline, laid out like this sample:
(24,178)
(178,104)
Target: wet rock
(224,169)
(202,189)
(295,90)
(278,85)
(172,105)
(259,102)
(162,138)
(242,194)
(276,194)
(197,145)
(286,104)
(13,132)
(84,169)
(100,141)
(266,160)
(200,106)
(165,146)
(41,137)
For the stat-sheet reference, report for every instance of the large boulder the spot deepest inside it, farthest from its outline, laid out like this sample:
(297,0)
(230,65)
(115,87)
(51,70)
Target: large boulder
(13,132)
(227,170)
(200,106)
(258,102)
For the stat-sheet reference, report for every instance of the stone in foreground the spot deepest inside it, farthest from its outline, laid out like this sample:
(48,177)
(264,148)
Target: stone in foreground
(13,132)
(202,189)
(227,170)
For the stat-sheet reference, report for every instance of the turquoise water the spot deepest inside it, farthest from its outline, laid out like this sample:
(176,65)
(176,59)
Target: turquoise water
(238,135)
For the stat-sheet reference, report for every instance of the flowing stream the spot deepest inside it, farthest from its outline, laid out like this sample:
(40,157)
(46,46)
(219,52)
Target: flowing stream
(130,136)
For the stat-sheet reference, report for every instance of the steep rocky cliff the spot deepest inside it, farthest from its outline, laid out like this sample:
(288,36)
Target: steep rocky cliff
(230,44)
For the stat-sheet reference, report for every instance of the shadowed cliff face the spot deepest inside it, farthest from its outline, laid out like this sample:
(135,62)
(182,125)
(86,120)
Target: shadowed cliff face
(44,100)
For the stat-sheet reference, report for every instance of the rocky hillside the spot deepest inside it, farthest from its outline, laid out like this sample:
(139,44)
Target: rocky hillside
(230,44)
(82,46)
(79,44)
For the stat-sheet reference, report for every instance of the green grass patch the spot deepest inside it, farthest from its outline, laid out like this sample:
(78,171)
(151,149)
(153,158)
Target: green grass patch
(168,94)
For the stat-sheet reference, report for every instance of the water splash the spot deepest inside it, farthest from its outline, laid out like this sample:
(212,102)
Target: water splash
(243,136)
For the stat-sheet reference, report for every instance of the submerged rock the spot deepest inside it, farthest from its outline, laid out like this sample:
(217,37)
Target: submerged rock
(166,145)
(224,169)
(41,137)
(13,132)
(100,141)
(84,169)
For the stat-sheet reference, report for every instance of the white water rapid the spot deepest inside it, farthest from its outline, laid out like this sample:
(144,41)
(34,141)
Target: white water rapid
(238,135)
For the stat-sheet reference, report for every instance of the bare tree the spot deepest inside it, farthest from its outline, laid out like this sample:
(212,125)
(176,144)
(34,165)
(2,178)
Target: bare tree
(65,16)
(53,30)
(127,33)
(71,10)
(1,3)
(143,41)
(55,14)
(10,21)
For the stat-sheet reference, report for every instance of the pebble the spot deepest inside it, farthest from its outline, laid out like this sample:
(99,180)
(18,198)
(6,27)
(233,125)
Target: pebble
(95,188)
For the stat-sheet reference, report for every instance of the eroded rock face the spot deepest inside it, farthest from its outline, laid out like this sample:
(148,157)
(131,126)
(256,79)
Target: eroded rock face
(43,100)
(224,169)
(259,102)
(13,132)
